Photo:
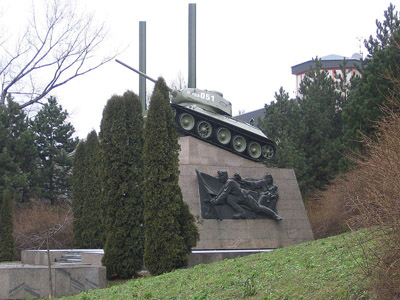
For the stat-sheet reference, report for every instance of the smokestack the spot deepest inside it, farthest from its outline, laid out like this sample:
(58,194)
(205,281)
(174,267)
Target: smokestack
(142,63)
(192,45)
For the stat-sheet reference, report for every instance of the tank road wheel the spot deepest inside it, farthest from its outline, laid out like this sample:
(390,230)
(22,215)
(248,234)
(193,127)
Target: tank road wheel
(223,135)
(204,129)
(186,121)
(268,151)
(254,150)
(239,143)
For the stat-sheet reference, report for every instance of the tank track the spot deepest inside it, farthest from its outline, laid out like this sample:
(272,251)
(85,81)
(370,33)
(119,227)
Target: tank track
(245,143)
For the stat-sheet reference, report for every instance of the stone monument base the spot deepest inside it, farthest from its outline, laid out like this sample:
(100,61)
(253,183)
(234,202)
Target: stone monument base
(241,234)
(210,256)
(30,278)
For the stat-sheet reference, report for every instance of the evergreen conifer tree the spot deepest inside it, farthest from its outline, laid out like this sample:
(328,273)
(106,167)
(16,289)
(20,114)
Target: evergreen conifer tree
(320,126)
(86,203)
(308,130)
(379,72)
(121,143)
(280,123)
(18,154)
(92,212)
(55,143)
(170,232)
(6,228)
(78,193)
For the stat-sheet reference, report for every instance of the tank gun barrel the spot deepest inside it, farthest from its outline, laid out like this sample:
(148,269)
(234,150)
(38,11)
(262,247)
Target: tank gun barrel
(137,71)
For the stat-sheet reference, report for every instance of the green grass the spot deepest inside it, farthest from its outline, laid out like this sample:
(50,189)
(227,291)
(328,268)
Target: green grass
(323,269)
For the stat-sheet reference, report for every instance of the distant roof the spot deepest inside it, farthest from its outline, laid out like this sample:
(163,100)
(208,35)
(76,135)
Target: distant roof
(255,115)
(331,61)
(333,57)
(356,56)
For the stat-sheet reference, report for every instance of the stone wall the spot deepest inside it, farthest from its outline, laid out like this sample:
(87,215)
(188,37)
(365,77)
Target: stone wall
(30,279)
(21,281)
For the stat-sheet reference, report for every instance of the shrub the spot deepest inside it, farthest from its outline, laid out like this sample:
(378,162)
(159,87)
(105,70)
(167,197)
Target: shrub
(327,210)
(369,196)
(375,201)
(32,221)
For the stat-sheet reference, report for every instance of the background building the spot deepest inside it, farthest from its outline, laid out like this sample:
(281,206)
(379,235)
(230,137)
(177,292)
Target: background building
(331,63)
(252,117)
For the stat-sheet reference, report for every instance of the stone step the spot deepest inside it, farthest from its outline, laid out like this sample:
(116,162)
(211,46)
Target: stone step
(73,253)
(79,256)
(69,260)
(72,257)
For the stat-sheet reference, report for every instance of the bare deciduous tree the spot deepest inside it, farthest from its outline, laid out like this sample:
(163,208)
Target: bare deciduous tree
(179,82)
(57,46)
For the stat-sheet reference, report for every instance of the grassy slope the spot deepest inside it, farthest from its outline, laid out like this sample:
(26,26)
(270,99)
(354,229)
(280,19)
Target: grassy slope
(323,269)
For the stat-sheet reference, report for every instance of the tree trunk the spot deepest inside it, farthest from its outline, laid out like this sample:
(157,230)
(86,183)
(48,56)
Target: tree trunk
(49,264)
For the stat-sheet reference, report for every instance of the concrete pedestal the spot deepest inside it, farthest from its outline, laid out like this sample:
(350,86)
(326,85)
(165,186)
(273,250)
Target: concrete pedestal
(21,281)
(241,234)
(30,279)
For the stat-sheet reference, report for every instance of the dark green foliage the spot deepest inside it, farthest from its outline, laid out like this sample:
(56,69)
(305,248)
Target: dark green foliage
(6,228)
(307,130)
(387,33)
(55,143)
(78,193)
(18,154)
(92,210)
(370,91)
(320,126)
(343,81)
(170,231)
(121,138)
(189,229)
(86,200)
(281,125)
(315,131)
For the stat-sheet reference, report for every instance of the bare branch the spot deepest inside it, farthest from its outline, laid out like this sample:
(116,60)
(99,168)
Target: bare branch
(58,46)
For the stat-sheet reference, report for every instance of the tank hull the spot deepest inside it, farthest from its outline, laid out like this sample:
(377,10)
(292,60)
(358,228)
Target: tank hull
(224,132)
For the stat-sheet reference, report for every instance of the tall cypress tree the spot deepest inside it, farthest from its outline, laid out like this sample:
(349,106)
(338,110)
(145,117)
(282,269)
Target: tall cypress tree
(121,143)
(92,208)
(170,232)
(78,193)
(6,228)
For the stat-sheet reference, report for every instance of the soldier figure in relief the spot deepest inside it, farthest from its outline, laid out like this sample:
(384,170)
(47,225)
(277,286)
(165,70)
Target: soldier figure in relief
(267,191)
(235,195)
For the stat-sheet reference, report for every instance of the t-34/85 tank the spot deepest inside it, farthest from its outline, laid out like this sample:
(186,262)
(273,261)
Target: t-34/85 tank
(206,115)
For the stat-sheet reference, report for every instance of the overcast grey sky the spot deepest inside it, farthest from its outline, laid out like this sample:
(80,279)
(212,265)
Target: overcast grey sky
(245,49)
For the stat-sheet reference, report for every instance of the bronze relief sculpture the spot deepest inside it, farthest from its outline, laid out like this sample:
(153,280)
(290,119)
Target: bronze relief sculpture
(236,198)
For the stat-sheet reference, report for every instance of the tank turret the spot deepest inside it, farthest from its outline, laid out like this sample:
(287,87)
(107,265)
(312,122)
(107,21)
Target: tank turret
(206,115)
(209,100)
